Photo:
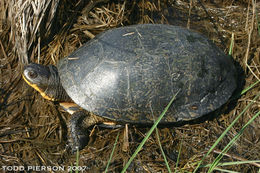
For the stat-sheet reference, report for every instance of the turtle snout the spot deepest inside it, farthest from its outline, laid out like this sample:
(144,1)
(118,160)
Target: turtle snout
(36,74)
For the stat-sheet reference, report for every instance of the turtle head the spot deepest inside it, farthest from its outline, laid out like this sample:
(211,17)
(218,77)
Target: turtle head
(45,79)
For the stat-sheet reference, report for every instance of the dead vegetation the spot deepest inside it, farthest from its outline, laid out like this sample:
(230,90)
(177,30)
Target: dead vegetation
(32,130)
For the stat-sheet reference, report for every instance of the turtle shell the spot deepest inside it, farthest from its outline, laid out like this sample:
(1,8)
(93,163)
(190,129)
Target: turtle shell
(130,74)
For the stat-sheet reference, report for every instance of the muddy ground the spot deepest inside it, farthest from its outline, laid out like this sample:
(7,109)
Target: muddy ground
(33,130)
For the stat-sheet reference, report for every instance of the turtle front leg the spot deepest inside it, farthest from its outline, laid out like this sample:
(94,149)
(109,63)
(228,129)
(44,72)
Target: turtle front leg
(78,126)
(78,133)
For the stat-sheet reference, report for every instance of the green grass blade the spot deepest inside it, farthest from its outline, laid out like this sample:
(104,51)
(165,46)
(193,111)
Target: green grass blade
(249,87)
(229,145)
(224,133)
(148,134)
(77,160)
(164,156)
(258,24)
(224,170)
(233,163)
(178,158)
(112,153)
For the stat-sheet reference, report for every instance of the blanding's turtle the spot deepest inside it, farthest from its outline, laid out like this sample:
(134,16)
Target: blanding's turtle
(129,75)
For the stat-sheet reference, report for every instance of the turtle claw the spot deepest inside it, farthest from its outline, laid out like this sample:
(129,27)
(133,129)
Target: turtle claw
(78,142)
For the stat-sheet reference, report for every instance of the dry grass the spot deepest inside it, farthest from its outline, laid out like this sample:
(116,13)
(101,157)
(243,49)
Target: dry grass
(32,130)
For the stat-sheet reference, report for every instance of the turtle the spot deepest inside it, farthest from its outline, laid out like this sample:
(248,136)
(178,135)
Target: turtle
(128,75)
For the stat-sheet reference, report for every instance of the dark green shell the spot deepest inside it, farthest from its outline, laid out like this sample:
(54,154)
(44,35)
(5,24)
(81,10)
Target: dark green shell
(130,74)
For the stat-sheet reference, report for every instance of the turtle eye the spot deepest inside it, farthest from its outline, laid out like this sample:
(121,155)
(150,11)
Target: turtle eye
(32,74)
